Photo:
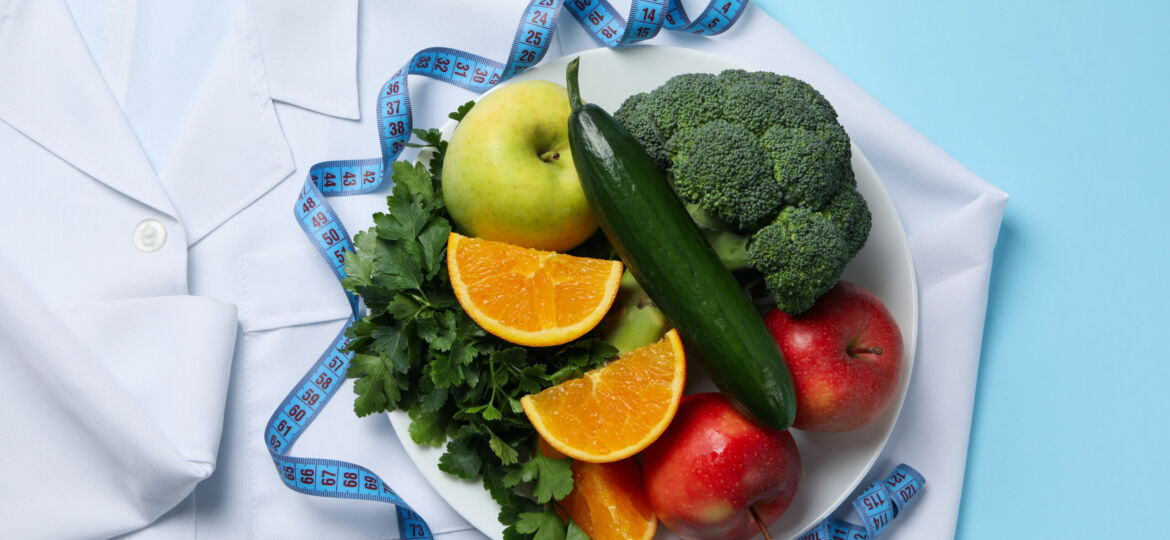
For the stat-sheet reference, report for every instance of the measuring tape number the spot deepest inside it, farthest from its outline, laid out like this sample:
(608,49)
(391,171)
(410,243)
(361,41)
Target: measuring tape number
(332,478)
(878,505)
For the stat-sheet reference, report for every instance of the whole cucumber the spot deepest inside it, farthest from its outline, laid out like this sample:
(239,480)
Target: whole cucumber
(674,264)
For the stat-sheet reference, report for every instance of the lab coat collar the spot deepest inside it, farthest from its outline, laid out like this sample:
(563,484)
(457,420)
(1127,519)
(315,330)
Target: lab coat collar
(53,93)
(310,53)
(231,149)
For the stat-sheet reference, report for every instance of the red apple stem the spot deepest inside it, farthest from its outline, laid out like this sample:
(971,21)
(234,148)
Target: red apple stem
(759,523)
(876,349)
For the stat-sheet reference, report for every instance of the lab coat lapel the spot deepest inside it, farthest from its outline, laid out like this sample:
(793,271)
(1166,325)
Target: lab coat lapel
(231,149)
(52,92)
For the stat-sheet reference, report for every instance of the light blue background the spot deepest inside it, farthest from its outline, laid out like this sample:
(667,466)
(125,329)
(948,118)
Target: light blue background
(1064,105)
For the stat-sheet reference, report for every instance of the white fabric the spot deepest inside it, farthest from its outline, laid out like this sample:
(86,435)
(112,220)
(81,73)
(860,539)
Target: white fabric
(115,361)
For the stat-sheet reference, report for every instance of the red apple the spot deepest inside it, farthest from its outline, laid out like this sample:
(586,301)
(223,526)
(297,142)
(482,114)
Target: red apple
(845,357)
(712,468)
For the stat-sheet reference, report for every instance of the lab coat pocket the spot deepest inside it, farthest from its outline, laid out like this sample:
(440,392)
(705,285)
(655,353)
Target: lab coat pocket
(288,286)
(291,309)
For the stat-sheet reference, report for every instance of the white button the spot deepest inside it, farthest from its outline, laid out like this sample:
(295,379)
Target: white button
(150,235)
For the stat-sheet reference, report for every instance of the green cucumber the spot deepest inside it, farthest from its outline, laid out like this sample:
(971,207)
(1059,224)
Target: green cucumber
(670,258)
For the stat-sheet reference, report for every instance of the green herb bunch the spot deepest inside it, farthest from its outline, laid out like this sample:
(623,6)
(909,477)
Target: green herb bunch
(416,350)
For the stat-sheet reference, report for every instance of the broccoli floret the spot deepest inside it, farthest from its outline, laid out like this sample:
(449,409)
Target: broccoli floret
(801,254)
(807,164)
(765,169)
(684,102)
(760,100)
(634,116)
(803,105)
(851,216)
(725,170)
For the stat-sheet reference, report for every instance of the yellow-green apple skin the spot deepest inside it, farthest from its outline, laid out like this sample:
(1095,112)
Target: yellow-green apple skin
(508,175)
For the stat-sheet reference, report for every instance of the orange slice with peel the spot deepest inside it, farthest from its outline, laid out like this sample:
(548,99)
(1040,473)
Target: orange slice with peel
(615,411)
(530,297)
(608,500)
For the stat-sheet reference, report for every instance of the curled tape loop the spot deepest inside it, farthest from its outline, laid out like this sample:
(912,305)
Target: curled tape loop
(878,505)
(331,478)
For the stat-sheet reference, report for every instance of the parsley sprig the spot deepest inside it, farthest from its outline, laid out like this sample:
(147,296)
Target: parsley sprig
(416,350)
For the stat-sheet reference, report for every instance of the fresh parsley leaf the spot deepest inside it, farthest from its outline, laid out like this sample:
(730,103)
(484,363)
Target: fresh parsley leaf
(455,367)
(503,450)
(574,532)
(415,180)
(462,458)
(526,472)
(462,111)
(375,387)
(493,481)
(427,429)
(429,137)
(532,379)
(490,412)
(434,246)
(426,327)
(392,343)
(554,477)
(543,525)
(396,267)
(402,307)
(515,405)
(403,223)
(433,399)
(448,331)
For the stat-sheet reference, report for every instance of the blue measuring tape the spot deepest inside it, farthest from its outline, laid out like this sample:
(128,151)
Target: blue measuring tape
(332,478)
(878,505)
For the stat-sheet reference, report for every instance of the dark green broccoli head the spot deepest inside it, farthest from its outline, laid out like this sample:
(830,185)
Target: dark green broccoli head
(759,100)
(760,155)
(634,115)
(850,214)
(725,170)
(801,254)
(803,105)
(686,101)
(807,164)
(850,181)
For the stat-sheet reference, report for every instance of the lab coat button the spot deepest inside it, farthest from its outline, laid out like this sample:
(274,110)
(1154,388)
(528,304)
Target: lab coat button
(150,235)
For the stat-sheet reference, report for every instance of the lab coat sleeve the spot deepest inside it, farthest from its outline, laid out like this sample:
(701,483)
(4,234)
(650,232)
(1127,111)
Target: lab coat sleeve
(111,410)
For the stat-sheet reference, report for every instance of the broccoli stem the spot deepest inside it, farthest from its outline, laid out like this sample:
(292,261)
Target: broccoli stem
(705,220)
(728,244)
(731,248)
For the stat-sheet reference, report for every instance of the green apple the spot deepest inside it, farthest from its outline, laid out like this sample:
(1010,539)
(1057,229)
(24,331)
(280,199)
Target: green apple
(508,175)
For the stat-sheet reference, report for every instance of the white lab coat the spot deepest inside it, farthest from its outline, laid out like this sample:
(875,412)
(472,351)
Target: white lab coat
(135,383)
(116,361)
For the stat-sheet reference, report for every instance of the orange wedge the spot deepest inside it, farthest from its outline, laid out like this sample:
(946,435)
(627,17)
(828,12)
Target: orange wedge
(609,502)
(615,411)
(530,297)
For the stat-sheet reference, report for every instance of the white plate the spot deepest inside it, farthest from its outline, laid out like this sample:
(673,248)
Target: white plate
(833,464)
